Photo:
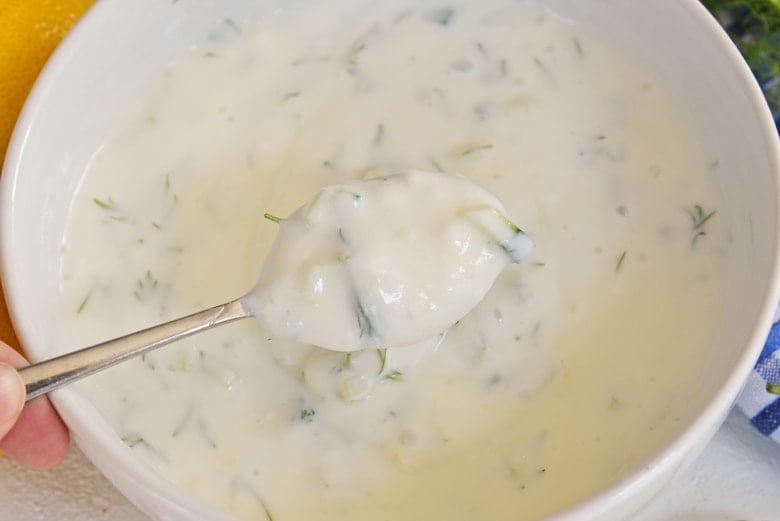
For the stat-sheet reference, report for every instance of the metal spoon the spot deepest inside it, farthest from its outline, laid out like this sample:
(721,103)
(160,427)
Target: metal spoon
(51,374)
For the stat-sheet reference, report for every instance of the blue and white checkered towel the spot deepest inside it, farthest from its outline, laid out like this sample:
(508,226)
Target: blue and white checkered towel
(756,401)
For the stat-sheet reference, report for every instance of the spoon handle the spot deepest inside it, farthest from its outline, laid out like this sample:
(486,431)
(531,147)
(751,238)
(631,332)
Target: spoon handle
(51,374)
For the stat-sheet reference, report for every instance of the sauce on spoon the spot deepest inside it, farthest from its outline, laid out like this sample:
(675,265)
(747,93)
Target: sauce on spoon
(387,261)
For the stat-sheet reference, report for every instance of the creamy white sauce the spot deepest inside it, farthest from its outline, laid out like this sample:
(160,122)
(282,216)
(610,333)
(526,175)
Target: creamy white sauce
(385,262)
(579,363)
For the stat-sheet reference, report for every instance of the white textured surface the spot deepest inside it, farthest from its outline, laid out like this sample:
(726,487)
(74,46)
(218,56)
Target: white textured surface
(736,478)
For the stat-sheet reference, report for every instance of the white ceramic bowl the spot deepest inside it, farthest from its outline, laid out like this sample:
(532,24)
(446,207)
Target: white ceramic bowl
(76,101)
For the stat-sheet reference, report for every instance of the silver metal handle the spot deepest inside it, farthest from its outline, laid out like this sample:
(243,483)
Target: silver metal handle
(50,374)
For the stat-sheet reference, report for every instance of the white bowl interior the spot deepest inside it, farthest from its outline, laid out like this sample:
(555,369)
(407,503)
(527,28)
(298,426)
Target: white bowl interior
(120,47)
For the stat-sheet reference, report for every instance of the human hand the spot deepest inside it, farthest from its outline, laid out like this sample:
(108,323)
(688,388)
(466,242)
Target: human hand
(32,434)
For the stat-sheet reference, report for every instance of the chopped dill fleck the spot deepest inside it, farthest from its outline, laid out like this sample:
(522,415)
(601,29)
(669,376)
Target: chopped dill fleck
(354,54)
(477,147)
(503,66)
(347,363)
(306,415)
(183,423)
(382,353)
(620,260)
(364,322)
(156,225)
(83,304)
(110,207)
(131,440)
(699,218)
(272,218)
(202,428)
(104,205)
(435,164)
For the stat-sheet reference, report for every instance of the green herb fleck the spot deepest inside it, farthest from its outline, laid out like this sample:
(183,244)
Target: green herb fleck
(131,440)
(238,483)
(382,353)
(183,423)
(355,51)
(477,147)
(436,164)
(105,205)
(273,218)
(540,65)
(347,363)
(145,285)
(364,322)
(620,260)
(83,303)
(773,388)
(699,218)
(306,415)
(109,207)
(204,432)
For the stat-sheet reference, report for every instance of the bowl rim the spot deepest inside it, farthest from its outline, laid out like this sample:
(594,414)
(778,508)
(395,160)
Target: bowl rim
(92,434)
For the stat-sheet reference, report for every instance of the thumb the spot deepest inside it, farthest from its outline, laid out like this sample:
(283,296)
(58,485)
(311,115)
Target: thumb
(11,397)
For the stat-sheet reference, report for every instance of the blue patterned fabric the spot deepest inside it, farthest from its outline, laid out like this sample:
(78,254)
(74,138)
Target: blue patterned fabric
(756,401)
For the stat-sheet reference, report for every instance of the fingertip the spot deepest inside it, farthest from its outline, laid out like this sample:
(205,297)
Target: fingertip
(39,440)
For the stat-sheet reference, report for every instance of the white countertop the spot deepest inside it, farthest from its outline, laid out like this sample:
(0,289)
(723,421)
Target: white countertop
(737,478)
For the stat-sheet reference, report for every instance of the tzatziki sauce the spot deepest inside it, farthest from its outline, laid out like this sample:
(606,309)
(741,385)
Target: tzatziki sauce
(578,364)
